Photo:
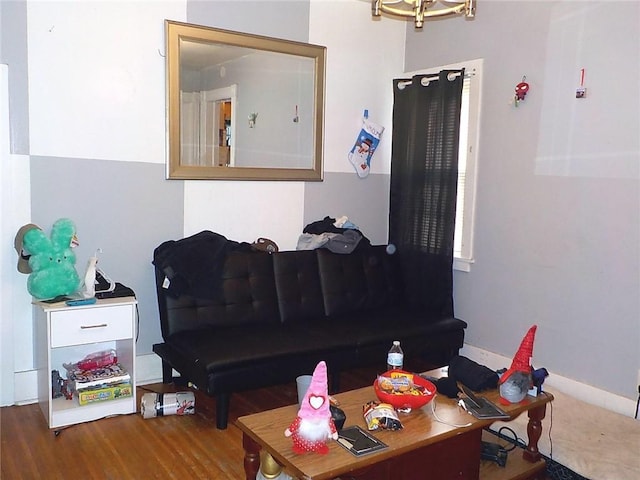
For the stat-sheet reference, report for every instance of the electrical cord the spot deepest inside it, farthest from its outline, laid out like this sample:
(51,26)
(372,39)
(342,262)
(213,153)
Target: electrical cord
(637,404)
(137,321)
(438,419)
(515,441)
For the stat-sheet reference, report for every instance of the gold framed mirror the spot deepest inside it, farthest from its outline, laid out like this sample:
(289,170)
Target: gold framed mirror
(243,106)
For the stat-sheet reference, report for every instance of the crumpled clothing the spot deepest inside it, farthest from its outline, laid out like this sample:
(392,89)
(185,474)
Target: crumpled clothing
(344,242)
(326,225)
(310,241)
(194,264)
(336,242)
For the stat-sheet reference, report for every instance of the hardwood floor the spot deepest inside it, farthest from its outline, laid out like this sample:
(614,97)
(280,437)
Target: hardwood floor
(129,447)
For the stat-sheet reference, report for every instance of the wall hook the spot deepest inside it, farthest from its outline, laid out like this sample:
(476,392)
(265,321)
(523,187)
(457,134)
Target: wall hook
(252,119)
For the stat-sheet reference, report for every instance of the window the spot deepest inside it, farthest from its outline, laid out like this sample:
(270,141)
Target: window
(467,159)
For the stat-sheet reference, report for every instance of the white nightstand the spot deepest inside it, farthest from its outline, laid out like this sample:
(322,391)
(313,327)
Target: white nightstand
(67,334)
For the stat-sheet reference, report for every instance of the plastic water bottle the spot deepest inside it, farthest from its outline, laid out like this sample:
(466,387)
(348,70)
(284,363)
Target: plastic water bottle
(395,357)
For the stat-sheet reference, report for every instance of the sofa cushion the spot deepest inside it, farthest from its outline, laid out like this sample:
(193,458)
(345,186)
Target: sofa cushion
(236,347)
(249,290)
(249,298)
(298,286)
(371,332)
(355,283)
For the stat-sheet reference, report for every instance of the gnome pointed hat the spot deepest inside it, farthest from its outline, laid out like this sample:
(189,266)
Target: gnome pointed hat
(315,404)
(522,359)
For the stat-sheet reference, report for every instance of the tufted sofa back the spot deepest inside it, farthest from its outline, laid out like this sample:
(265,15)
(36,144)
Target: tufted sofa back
(284,288)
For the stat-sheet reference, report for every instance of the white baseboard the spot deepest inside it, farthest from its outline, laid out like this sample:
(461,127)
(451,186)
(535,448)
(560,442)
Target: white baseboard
(25,387)
(148,369)
(586,393)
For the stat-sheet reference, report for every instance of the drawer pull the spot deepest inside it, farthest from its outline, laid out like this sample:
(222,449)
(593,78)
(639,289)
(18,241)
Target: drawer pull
(102,325)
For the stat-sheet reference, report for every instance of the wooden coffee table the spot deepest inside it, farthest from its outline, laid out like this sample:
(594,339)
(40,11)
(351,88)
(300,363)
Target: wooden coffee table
(424,448)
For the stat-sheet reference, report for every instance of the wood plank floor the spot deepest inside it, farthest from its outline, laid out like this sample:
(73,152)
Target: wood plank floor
(129,447)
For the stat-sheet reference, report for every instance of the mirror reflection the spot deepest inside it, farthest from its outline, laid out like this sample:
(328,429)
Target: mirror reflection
(243,106)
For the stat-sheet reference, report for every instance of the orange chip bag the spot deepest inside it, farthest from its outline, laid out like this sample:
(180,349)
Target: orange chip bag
(381,416)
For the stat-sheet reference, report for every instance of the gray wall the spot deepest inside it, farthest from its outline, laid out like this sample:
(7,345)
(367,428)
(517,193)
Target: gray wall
(557,239)
(125,208)
(348,196)
(281,19)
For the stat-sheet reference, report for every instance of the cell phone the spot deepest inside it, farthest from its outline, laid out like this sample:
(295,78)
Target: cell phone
(81,301)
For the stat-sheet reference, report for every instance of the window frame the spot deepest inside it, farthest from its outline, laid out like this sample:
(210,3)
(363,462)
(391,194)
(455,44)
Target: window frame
(464,258)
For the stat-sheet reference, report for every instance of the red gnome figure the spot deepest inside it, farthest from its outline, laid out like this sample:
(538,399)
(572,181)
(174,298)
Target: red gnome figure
(313,426)
(517,381)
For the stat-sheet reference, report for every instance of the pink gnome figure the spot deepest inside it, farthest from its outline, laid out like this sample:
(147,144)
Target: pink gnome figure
(313,426)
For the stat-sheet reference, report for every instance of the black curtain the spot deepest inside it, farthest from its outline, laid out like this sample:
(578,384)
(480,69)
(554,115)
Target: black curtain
(424,174)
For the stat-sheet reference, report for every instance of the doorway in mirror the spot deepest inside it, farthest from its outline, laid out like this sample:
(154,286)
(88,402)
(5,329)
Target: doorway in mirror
(207,127)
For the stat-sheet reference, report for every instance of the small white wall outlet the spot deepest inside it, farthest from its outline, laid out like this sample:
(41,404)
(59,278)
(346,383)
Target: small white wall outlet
(638,379)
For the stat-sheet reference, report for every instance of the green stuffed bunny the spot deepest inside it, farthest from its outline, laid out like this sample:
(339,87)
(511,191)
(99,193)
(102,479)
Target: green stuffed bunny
(52,261)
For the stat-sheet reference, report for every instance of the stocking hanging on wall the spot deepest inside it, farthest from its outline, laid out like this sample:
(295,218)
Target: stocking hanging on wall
(365,146)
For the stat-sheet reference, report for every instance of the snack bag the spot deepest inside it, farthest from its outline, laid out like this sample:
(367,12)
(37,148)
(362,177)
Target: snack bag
(381,416)
(396,383)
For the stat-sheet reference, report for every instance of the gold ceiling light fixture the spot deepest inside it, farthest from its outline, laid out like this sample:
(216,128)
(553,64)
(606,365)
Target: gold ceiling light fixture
(421,9)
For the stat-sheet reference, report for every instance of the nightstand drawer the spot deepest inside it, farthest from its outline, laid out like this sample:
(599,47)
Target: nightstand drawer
(89,325)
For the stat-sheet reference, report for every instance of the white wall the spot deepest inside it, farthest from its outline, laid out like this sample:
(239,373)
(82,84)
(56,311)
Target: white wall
(247,210)
(557,239)
(95,91)
(363,57)
(96,78)
(15,308)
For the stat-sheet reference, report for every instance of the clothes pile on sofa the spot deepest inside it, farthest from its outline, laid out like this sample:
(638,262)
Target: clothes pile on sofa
(338,235)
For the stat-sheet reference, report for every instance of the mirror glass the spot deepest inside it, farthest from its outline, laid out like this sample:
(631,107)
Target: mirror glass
(242,106)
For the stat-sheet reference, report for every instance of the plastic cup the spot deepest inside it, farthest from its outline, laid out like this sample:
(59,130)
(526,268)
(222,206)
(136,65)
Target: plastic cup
(303,382)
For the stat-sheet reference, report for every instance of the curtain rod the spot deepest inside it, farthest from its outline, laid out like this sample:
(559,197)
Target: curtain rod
(429,76)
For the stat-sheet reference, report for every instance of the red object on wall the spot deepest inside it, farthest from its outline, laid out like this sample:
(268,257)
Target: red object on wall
(521,89)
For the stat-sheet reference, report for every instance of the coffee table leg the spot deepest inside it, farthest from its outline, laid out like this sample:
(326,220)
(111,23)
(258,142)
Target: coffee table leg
(534,431)
(251,457)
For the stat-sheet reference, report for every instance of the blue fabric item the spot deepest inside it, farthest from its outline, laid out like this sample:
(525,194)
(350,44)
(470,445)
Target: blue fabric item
(350,225)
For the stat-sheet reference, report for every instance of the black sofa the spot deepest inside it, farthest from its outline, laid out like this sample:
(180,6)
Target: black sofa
(235,319)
